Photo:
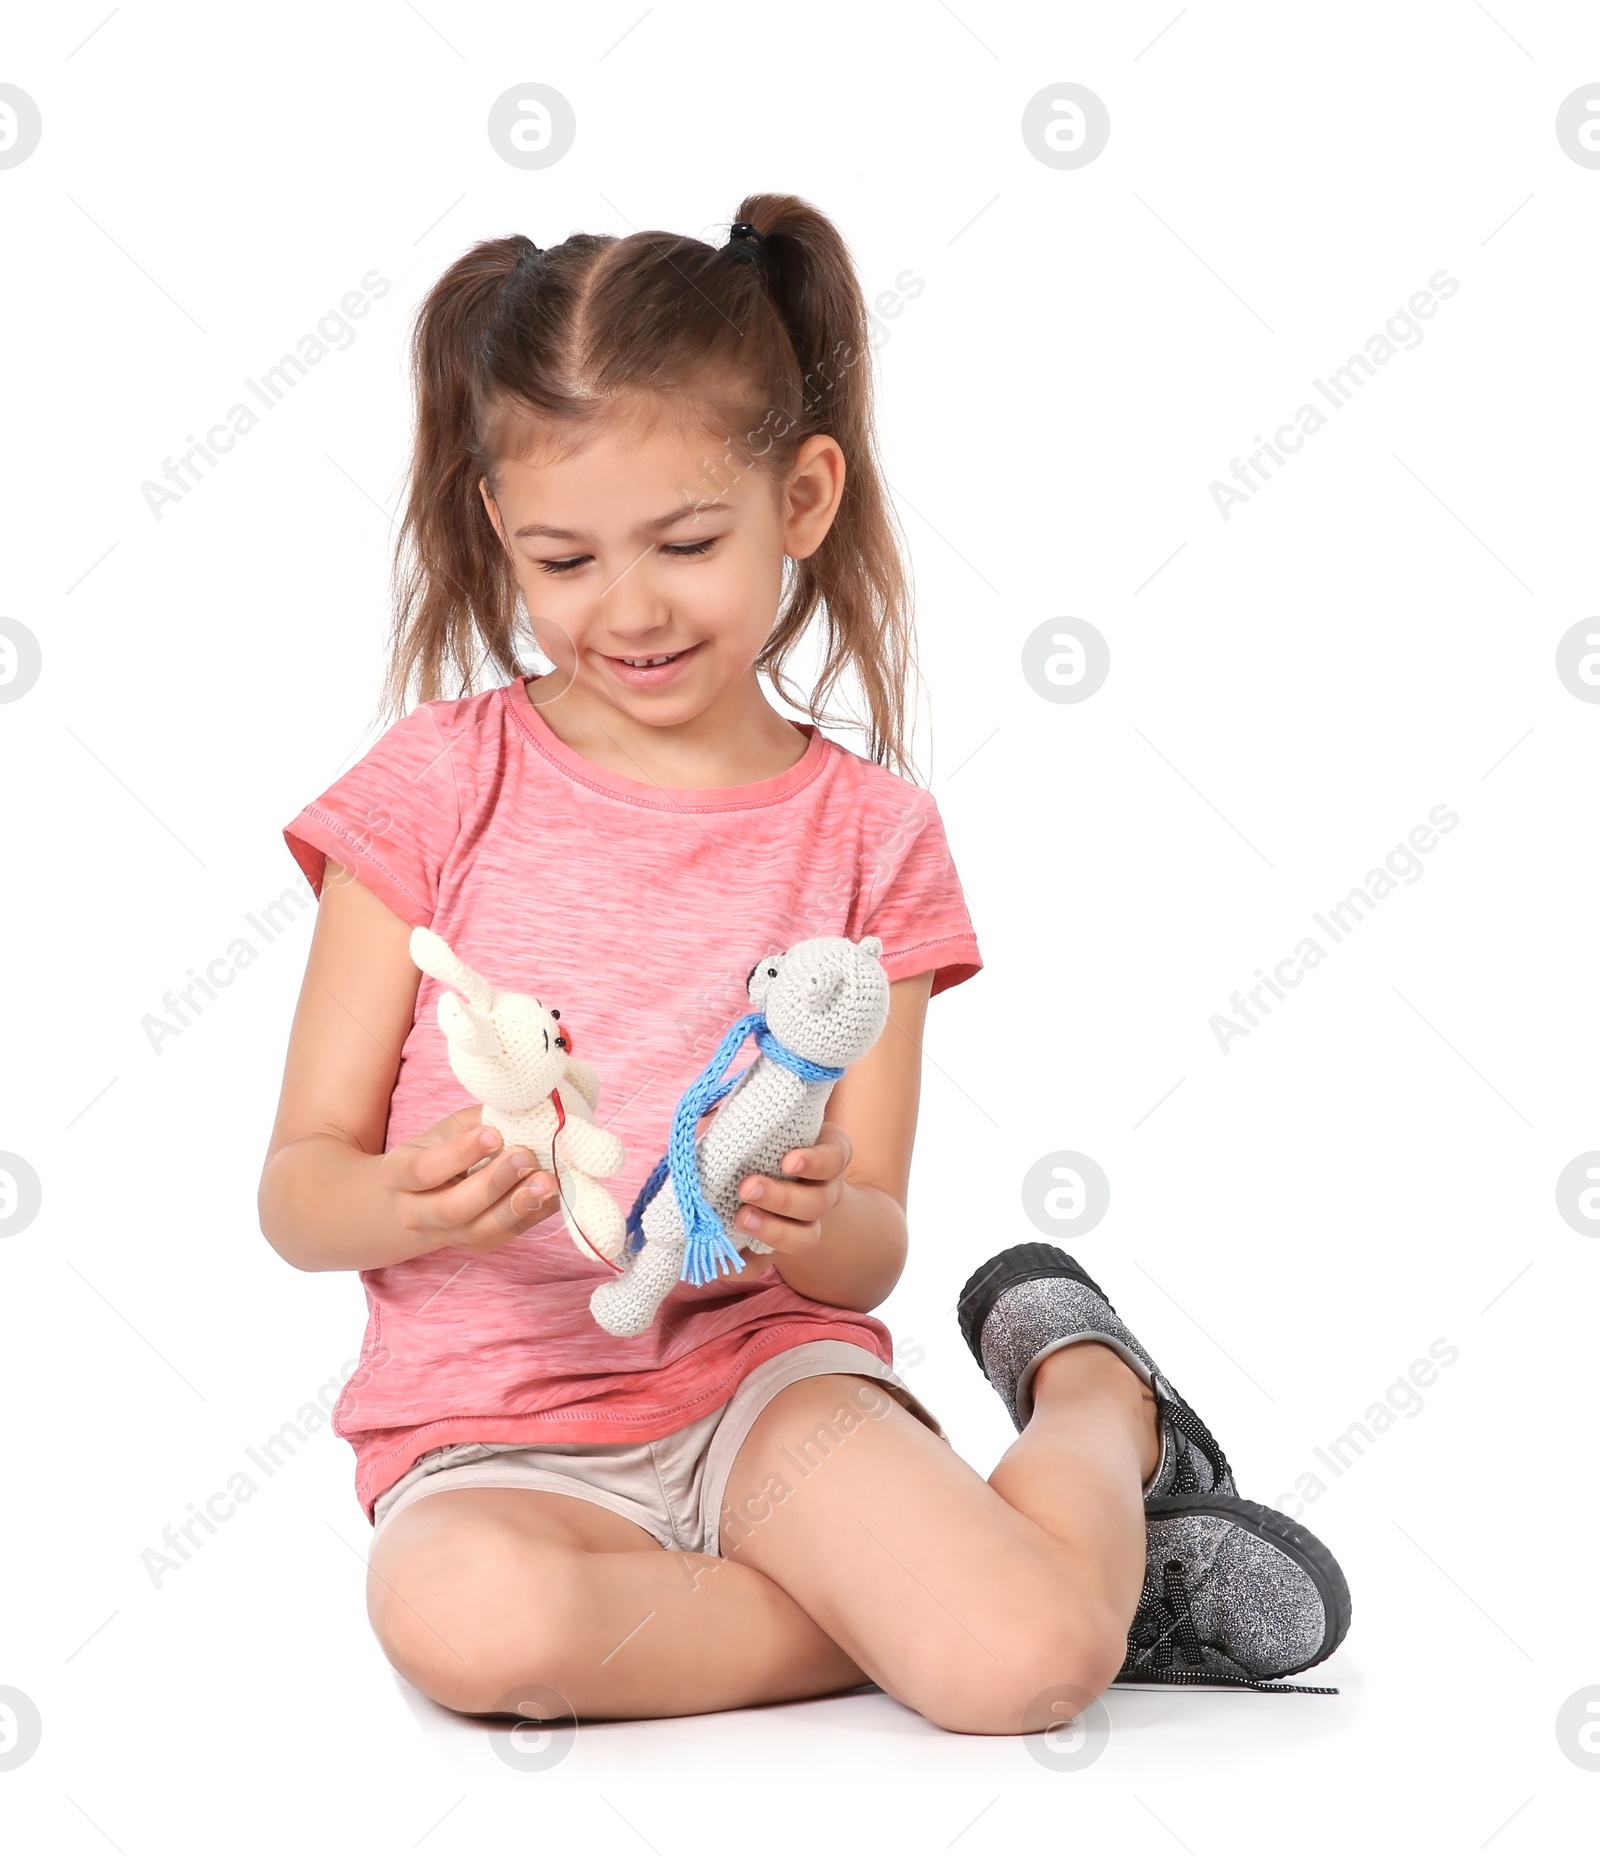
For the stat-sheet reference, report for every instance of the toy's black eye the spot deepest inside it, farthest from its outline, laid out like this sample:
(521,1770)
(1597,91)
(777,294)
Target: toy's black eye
(772,973)
(554,1013)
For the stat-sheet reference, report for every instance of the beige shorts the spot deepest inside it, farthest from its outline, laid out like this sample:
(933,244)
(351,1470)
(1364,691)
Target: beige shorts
(671,1486)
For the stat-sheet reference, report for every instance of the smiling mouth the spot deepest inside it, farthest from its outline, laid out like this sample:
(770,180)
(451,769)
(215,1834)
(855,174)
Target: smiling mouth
(645,663)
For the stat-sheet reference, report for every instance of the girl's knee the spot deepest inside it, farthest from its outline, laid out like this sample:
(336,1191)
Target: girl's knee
(1036,1673)
(470,1614)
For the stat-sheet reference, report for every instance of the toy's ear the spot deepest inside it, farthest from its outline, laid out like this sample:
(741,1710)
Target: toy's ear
(466,1029)
(433,954)
(761,976)
(870,944)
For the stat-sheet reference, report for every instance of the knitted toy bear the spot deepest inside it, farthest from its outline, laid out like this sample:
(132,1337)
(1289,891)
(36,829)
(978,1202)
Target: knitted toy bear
(819,1007)
(513,1056)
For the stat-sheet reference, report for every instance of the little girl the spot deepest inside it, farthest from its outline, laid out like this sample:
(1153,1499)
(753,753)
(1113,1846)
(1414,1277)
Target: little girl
(656,456)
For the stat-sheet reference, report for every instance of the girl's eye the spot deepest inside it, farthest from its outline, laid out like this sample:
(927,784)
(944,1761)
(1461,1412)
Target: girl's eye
(682,549)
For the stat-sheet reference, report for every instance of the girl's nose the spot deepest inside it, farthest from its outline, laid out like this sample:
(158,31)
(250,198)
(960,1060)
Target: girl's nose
(633,607)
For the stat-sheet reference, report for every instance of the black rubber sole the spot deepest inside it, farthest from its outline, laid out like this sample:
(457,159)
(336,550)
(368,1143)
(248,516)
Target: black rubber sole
(1289,1536)
(1021,1263)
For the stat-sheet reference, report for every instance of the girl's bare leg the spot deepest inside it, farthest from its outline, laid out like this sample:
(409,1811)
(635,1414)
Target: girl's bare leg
(1080,1466)
(860,1548)
(968,1600)
(477,1593)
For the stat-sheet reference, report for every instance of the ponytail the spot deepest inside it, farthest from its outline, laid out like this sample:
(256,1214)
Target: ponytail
(453,587)
(857,577)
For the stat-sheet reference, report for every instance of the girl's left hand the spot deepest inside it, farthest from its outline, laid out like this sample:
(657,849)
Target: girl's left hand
(787,1213)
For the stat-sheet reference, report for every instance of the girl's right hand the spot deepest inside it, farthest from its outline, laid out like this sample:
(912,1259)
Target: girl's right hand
(436,1199)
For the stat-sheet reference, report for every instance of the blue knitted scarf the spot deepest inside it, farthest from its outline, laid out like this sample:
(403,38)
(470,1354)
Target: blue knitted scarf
(709,1251)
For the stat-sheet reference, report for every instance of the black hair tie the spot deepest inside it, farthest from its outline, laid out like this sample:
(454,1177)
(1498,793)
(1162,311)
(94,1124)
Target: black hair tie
(744,241)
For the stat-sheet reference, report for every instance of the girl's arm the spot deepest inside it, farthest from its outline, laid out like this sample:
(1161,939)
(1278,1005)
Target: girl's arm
(330,1197)
(838,1223)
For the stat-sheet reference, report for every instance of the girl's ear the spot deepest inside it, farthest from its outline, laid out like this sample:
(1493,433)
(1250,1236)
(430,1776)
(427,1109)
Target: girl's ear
(812,493)
(494,511)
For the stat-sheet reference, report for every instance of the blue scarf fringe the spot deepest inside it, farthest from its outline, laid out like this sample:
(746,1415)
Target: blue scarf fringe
(708,1250)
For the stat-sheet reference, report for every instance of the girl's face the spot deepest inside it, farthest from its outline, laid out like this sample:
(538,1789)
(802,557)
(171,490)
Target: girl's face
(645,544)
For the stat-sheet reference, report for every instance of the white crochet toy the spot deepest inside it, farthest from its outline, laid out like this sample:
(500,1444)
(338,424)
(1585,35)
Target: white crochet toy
(514,1056)
(819,1008)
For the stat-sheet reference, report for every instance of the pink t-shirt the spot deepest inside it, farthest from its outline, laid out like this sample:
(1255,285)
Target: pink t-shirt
(638,910)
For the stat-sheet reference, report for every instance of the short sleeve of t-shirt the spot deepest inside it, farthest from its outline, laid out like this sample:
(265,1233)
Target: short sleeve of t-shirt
(912,898)
(390,819)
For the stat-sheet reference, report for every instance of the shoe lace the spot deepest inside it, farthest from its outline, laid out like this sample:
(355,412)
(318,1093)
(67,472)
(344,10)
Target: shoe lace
(1164,1627)
(1186,1421)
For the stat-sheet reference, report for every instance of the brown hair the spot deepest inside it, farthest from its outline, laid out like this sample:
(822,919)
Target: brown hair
(758,337)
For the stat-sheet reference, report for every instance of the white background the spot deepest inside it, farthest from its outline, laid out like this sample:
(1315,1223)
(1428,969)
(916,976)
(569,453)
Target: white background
(1292,689)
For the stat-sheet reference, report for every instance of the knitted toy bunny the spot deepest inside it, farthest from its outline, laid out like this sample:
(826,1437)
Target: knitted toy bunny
(509,1051)
(819,1007)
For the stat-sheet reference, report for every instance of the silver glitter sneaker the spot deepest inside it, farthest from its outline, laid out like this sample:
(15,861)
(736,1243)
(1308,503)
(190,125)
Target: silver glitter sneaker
(1031,1300)
(1235,1595)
